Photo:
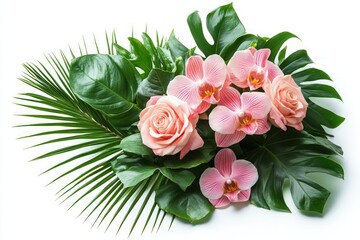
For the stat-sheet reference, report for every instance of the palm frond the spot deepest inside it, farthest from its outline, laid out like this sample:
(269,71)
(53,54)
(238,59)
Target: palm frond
(88,141)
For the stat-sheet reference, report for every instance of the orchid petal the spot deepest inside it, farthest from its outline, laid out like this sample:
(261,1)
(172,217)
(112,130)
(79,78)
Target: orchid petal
(244,173)
(194,68)
(261,57)
(244,195)
(224,160)
(239,67)
(250,128)
(211,183)
(256,103)
(226,140)
(202,107)
(221,202)
(185,89)
(263,126)
(230,98)
(273,70)
(223,120)
(215,71)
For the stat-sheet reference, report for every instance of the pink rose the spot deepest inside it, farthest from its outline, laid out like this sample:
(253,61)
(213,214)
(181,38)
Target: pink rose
(167,126)
(288,103)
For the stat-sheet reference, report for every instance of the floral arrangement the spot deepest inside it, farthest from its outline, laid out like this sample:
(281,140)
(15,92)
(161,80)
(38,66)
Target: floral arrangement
(186,130)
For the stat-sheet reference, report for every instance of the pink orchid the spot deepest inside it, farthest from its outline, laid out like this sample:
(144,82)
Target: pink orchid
(250,68)
(202,84)
(238,115)
(230,181)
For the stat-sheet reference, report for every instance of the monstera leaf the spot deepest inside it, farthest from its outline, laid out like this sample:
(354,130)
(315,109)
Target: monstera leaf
(290,156)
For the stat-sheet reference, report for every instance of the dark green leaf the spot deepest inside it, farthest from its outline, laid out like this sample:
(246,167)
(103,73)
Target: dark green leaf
(134,144)
(281,55)
(107,83)
(176,48)
(325,117)
(295,61)
(190,205)
(291,155)
(275,43)
(154,85)
(228,51)
(319,90)
(192,159)
(141,57)
(132,171)
(223,25)
(310,74)
(182,178)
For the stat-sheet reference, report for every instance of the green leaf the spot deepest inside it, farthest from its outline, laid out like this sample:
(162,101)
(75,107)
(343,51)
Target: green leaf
(319,90)
(182,178)
(154,85)
(275,43)
(281,55)
(107,83)
(134,144)
(193,158)
(295,61)
(132,171)
(191,205)
(228,51)
(322,116)
(310,74)
(176,48)
(141,57)
(291,155)
(223,25)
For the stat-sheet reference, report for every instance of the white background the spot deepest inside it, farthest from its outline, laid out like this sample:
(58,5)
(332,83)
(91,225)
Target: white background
(329,31)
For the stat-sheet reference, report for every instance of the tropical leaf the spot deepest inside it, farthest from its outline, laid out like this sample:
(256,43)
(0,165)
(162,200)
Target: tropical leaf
(291,155)
(223,25)
(87,137)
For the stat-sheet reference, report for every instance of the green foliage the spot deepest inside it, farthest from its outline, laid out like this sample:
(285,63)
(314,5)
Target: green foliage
(134,144)
(291,155)
(223,25)
(190,205)
(108,84)
(86,132)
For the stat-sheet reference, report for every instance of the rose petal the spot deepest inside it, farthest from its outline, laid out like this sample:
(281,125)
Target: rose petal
(230,98)
(186,90)
(224,160)
(194,68)
(221,202)
(244,173)
(244,195)
(226,140)
(211,183)
(223,120)
(261,57)
(215,71)
(239,67)
(256,103)
(194,142)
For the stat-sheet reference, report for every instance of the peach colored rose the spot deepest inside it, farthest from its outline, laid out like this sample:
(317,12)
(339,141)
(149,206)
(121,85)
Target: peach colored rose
(167,126)
(288,103)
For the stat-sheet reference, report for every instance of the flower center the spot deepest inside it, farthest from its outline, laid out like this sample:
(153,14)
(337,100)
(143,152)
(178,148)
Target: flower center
(206,90)
(230,186)
(245,119)
(256,78)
